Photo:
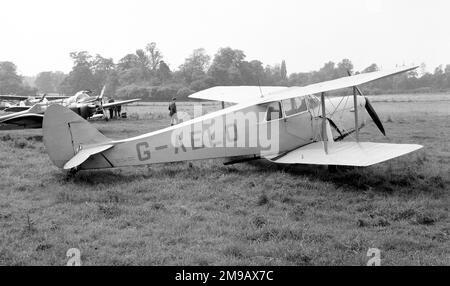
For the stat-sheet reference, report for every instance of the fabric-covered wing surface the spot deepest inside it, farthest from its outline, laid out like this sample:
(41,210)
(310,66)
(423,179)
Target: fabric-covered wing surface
(236,94)
(340,83)
(345,153)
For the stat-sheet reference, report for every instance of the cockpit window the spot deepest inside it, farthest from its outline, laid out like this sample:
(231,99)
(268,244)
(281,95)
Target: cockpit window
(313,102)
(289,106)
(273,111)
(82,96)
(294,105)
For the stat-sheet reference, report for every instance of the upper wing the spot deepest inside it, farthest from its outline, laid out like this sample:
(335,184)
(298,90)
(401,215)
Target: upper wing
(116,103)
(22,121)
(345,153)
(339,83)
(236,94)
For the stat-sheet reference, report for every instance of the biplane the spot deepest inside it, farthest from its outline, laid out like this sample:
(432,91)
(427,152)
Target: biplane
(83,104)
(295,125)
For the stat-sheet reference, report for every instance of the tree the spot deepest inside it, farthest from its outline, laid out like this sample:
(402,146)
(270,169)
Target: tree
(128,70)
(81,58)
(81,77)
(104,73)
(225,66)
(47,82)
(439,77)
(143,64)
(163,73)
(44,82)
(252,73)
(127,62)
(11,82)
(283,70)
(372,68)
(195,66)
(344,67)
(299,79)
(155,55)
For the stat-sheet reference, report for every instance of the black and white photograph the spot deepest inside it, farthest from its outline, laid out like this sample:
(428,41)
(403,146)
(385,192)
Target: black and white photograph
(236,133)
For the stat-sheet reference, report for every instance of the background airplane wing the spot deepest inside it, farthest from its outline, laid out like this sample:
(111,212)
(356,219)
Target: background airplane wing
(360,154)
(13,97)
(16,108)
(236,94)
(55,97)
(336,84)
(21,97)
(116,103)
(22,121)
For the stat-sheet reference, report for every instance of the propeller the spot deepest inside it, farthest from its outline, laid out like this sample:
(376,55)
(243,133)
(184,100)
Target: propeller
(100,98)
(370,110)
(102,93)
(43,97)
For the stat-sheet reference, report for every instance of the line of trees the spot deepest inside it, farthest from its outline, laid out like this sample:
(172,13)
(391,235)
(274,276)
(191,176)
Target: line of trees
(144,74)
(11,82)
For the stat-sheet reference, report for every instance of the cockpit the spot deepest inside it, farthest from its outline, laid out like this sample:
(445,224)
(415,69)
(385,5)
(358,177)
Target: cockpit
(290,107)
(80,96)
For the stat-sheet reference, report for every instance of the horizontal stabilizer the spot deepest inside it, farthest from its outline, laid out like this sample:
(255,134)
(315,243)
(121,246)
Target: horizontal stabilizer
(84,154)
(345,153)
(236,94)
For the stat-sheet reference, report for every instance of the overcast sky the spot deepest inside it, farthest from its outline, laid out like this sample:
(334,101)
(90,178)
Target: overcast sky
(39,35)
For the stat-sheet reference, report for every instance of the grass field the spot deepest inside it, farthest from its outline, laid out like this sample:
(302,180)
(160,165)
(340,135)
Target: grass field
(204,213)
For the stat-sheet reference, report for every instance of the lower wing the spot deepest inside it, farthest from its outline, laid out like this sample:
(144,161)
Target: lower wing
(361,154)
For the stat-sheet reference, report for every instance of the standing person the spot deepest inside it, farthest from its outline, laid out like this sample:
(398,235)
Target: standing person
(118,110)
(111,109)
(173,112)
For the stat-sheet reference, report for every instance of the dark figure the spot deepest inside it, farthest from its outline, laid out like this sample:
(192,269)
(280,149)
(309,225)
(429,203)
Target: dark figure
(118,110)
(173,112)
(111,109)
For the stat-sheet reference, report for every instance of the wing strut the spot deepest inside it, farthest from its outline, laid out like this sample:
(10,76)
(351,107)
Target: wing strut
(324,123)
(355,103)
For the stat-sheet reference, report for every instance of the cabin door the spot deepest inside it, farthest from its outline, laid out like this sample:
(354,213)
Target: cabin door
(298,119)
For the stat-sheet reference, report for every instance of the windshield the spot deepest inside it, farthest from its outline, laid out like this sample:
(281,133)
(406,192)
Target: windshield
(81,96)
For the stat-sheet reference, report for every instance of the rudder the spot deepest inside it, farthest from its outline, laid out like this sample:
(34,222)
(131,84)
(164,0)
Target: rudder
(64,134)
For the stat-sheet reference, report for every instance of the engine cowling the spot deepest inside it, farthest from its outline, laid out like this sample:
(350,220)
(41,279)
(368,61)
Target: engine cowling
(82,110)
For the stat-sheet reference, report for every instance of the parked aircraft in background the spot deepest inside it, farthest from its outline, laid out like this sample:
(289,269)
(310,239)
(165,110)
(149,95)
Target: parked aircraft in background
(82,103)
(25,102)
(280,124)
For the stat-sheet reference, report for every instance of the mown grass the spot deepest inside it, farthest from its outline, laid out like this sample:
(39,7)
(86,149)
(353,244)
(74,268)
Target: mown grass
(204,213)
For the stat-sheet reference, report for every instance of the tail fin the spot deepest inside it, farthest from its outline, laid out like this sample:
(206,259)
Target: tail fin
(66,133)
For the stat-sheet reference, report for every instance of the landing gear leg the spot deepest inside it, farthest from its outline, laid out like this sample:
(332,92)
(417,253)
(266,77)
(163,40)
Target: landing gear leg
(72,172)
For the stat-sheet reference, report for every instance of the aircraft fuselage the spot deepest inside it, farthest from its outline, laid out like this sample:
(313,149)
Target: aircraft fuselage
(249,131)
